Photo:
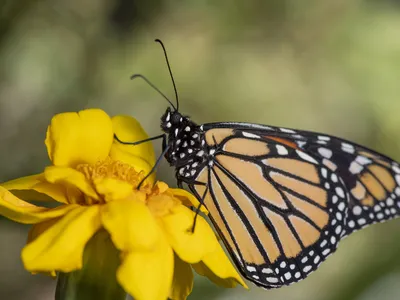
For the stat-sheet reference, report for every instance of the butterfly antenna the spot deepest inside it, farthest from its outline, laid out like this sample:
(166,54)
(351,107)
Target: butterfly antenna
(153,86)
(170,72)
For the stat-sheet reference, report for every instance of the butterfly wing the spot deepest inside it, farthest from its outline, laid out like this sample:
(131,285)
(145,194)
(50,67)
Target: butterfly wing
(279,203)
(371,179)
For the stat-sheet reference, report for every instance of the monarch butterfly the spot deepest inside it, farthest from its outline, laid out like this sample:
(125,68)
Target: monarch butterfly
(281,199)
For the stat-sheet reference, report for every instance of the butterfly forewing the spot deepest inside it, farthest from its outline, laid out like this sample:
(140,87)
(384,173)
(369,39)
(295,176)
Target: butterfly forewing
(372,180)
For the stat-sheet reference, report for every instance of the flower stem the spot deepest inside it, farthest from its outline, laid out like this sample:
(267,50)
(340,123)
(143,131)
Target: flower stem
(97,278)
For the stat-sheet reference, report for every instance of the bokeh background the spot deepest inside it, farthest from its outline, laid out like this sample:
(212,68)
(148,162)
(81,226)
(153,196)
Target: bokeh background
(331,66)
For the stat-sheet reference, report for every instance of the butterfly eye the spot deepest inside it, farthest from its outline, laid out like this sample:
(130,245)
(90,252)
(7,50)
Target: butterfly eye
(176,118)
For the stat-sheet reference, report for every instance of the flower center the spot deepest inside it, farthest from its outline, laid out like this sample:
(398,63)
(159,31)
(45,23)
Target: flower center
(111,169)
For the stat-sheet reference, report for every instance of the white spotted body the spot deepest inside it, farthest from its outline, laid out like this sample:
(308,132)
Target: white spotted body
(186,144)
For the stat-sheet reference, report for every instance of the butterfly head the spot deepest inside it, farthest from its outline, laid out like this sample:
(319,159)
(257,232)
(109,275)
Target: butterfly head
(171,119)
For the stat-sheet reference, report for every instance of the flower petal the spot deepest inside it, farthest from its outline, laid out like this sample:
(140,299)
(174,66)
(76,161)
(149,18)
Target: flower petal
(128,129)
(36,188)
(69,176)
(130,224)
(112,189)
(148,275)
(138,163)
(187,199)
(61,246)
(37,229)
(182,283)
(23,212)
(190,246)
(75,138)
(218,268)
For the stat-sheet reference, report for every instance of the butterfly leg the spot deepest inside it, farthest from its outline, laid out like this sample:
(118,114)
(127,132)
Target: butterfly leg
(180,184)
(154,167)
(199,206)
(164,147)
(163,136)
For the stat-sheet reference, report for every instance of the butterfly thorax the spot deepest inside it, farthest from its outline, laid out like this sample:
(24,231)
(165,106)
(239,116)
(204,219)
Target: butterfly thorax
(185,144)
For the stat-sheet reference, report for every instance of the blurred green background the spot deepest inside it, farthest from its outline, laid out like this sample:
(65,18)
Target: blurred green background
(331,66)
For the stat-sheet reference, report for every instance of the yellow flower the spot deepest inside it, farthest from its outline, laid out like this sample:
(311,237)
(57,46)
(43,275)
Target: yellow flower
(94,180)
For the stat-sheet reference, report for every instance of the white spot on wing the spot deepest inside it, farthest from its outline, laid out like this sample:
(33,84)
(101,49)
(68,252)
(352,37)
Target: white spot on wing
(306,157)
(251,269)
(355,168)
(324,172)
(281,150)
(250,135)
(362,160)
(396,169)
(325,152)
(272,279)
(324,138)
(361,221)
(348,150)
(334,177)
(267,271)
(339,192)
(307,269)
(287,130)
(397,177)
(326,252)
(357,210)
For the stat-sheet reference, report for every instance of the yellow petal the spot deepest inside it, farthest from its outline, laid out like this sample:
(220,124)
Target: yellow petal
(182,283)
(130,224)
(147,275)
(128,129)
(112,189)
(138,163)
(37,229)
(75,138)
(190,246)
(20,211)
(68,176)
(36,188)
(218,268)
(187,199)
(61,246)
